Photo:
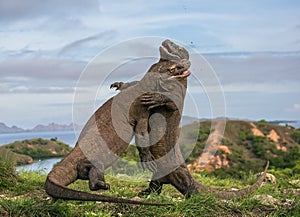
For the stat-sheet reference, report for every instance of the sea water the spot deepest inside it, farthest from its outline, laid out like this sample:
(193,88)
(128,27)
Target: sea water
(43,166)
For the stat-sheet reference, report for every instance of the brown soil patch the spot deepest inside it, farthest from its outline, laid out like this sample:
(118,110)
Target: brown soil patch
(274,136)
(255,130)
(208,160)
(225,149)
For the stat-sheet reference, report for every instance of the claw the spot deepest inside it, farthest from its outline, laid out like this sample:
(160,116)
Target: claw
(147,102)
(116,85)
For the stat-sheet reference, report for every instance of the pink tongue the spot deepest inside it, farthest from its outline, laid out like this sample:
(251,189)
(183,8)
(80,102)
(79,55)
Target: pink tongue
(186,72)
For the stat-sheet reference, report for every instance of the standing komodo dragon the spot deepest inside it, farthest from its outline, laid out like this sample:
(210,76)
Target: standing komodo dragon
(106,136)
(171,168)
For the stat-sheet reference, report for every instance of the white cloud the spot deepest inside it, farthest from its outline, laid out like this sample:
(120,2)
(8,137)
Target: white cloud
(44,46)
(257,68)
(36,68)
(295,108)
(28,110)
(14,10)
(37,90)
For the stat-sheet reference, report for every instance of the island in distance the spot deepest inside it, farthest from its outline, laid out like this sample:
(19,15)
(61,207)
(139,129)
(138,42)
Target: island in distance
(65,127)
(39,128)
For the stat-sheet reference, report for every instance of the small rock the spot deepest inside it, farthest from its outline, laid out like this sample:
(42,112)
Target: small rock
(292,191)
(269,177)
(295,182)
(287,202)
(136,198)
(267,200)
(233,189)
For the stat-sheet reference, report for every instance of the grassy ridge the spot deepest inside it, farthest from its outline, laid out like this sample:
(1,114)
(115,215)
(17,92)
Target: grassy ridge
(29,199)
(23,194)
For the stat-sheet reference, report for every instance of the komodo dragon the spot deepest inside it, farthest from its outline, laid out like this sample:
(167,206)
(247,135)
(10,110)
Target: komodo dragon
(171,168)
(164,82)
(106,136)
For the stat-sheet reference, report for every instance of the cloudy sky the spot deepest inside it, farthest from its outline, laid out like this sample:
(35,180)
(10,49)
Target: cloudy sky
(253,47)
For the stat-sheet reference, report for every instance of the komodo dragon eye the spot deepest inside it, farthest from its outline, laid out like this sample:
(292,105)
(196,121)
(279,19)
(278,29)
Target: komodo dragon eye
(172,68)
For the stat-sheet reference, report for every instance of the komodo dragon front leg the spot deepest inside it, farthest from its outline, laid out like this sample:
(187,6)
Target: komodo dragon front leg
(147,159)
(88,171)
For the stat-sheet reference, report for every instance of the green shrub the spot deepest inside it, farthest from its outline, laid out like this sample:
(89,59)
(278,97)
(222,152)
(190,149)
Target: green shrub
(296,136)
(54,139)
(288,159)
(8,175)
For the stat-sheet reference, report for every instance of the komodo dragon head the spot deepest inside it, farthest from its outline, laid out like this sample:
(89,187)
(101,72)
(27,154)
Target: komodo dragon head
(177,58)
(174,61)
(175,69)
(171,51)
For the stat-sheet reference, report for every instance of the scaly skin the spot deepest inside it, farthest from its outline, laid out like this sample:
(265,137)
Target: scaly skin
(104,138)
(70,168)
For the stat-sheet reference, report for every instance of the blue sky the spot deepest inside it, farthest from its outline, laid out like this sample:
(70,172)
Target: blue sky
(253,46)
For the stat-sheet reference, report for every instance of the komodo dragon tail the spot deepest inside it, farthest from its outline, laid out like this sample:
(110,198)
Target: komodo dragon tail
(66,172)
(61,192)
(230,194)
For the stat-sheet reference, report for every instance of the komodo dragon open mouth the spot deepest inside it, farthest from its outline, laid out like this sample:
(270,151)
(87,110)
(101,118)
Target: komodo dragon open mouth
(183,74)
(177,54)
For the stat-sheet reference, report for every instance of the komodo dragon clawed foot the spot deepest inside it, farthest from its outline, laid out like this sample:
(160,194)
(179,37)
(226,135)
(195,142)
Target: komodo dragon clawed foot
(87,171)
(180,178)
(153,100)
(116,85)
(154,187)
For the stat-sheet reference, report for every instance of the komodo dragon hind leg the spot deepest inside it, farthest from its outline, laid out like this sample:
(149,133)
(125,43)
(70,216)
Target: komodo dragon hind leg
(87,171)
(180,178)
(183,181)
(154,187)
(96,180)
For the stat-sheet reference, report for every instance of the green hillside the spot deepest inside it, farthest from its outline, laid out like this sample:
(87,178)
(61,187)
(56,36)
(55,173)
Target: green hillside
(26,151)
(247,146)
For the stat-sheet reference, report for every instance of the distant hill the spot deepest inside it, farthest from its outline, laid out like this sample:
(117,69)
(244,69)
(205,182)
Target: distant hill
(6,129)
(188,120)
(50,127)
(53,127)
